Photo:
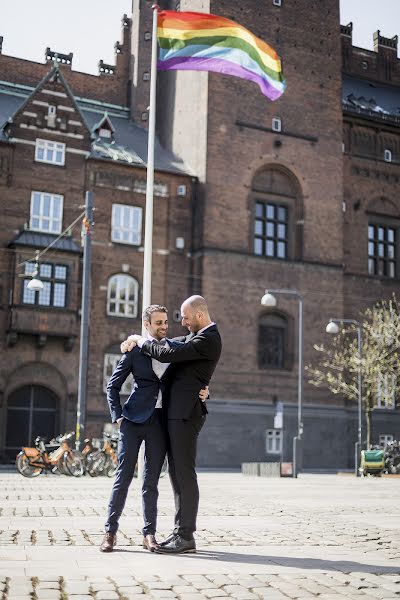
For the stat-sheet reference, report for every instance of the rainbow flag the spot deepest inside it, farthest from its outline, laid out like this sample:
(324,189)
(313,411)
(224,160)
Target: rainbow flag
(202,42)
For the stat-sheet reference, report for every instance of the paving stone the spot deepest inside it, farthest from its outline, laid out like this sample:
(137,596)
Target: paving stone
(47,594)
(162,594)
(107,595)
(77,587)
(133,589)
(214,593)
(184,589)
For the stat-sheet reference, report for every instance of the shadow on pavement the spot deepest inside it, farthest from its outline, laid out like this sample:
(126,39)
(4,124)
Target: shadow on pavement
(343,566)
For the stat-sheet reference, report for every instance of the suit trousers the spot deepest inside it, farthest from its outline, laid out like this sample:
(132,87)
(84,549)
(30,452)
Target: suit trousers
(131,436)
(182,449)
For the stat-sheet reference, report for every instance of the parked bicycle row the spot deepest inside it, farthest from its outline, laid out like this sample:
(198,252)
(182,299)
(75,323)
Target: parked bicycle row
(60,457)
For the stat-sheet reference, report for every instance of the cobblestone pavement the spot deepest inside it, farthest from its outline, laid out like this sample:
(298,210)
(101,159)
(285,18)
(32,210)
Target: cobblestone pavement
(326,537)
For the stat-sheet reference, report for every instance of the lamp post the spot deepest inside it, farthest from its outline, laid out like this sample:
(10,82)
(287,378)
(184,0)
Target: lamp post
(85,309)
(269,300)
(333,328)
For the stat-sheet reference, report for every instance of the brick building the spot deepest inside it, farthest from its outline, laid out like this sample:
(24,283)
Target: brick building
(297,194)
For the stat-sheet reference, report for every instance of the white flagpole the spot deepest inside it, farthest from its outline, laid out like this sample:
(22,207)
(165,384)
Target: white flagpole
(148,228)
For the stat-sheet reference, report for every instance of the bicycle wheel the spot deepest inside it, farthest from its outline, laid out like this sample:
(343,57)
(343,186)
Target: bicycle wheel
(111,466)
(25,468)
(74,463)
(98,461)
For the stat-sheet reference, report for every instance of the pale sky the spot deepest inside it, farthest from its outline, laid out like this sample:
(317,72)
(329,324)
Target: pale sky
(89,28)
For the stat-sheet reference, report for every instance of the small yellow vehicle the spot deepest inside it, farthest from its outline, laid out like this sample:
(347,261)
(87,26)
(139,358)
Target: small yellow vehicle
(372,462)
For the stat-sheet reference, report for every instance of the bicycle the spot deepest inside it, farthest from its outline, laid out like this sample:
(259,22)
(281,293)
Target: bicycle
(104,461)
(57,456)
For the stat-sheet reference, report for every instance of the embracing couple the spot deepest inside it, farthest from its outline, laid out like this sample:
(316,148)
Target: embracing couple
(166,410)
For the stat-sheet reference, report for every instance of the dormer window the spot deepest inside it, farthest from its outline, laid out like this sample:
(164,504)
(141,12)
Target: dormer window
(104,128)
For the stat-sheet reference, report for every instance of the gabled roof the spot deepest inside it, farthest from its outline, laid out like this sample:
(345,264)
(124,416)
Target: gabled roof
(53,76)
(129,139)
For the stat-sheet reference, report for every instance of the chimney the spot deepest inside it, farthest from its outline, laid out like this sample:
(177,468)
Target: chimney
(1,44)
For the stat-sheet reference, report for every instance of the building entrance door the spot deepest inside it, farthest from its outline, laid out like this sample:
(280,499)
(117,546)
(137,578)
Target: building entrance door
(32,410)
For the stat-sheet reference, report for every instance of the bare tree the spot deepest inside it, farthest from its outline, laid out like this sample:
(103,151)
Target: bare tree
(337,365)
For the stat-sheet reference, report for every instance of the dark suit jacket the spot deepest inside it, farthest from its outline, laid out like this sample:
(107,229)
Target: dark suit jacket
(193,364)
(143,398)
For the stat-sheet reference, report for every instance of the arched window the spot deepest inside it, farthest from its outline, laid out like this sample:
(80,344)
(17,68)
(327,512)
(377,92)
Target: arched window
(32,410)
(272,341)
(278,214)
(122,296)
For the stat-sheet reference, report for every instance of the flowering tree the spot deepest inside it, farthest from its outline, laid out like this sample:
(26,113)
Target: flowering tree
(338,364)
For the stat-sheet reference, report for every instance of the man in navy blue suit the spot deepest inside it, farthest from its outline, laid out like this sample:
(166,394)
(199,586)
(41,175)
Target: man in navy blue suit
(139,419)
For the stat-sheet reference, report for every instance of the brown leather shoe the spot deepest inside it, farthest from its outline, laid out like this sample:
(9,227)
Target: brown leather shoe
(150,543)
(108,543)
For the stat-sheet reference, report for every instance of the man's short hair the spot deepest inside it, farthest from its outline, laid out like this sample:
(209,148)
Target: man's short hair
(152,309)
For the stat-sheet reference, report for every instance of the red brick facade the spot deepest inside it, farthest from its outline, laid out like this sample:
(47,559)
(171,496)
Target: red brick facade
(326,166)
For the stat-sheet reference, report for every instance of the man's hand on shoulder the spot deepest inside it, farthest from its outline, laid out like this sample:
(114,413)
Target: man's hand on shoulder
(128,344)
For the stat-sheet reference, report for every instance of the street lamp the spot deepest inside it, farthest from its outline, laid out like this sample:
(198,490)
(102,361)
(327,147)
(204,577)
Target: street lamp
(35,285)
(333,328)
(270,301)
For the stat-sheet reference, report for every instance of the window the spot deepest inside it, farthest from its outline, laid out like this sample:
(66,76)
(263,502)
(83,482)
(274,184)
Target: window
(382,250)
(277,124)
(181,190)
(50,152)
(273,441)
(387,155)
(110,363)
(385,439)
(277,2)
(46,212)
(272,333)
(51,116)
(126,224)
(122,296)
(104,133)
(271,230)
(278,214)
(54,279)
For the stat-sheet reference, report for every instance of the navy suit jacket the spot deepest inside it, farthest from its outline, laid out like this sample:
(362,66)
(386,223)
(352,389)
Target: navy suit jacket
(143,398)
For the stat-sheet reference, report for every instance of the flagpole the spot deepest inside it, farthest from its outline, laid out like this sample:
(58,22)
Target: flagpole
(148,227)
(148,230)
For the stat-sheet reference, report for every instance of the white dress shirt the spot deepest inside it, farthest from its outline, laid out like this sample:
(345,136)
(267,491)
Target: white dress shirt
(159,369)
(204,328)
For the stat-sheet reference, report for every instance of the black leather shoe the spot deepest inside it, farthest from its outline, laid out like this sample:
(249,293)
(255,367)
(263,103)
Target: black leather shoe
(168,539)
(108,543)
(178,546)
